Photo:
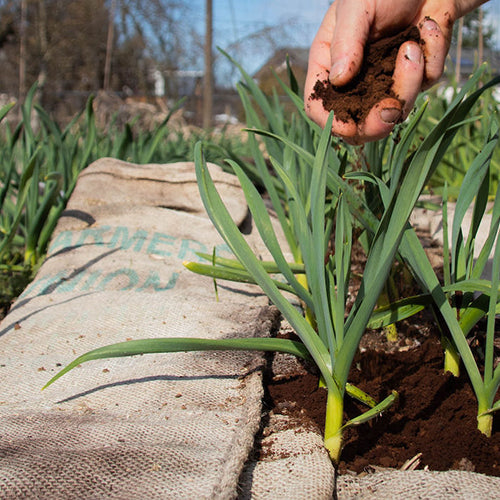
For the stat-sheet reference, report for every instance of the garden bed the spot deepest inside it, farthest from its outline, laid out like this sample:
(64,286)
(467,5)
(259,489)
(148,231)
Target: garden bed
(434,418)
(435,414)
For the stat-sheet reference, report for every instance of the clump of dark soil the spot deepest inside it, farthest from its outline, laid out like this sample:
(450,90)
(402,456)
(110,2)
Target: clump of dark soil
(373,83)
(435,414)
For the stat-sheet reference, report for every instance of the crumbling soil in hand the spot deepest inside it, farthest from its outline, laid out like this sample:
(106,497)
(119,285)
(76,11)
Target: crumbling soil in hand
(373,83)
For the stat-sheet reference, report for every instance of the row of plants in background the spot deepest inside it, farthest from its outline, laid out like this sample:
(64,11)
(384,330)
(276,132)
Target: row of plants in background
(468,141)
(40,163)
(466,298)
(323,193)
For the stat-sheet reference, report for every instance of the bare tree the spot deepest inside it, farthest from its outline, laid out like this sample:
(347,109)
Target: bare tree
(458,63)
(73,48)
(474,27)
(169,34)
(265,40)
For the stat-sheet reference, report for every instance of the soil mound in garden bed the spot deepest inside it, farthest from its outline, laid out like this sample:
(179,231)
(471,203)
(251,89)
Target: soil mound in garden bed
(435,414)
(373,83)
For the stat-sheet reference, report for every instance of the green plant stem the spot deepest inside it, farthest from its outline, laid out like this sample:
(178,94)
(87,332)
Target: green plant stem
(386,298)
(451,357)
(452,362)
(333,424)
(391,333)
(308,313)
(484,419)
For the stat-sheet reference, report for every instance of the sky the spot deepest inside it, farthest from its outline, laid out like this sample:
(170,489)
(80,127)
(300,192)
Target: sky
(237,17)
(493,13)
(236,20)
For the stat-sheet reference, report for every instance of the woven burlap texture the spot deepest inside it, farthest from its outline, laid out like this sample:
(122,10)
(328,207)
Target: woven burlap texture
(156,426)
(420,484)
(293,464)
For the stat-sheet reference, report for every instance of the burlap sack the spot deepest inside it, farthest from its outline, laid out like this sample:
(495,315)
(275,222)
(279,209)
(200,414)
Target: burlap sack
(290,461)
(158,426)
(293,464)
(419,484)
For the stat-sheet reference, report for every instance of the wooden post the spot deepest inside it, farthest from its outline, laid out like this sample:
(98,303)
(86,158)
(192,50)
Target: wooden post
(480,41)
(208,76)
(44,47)
(458,61)
(22,51)
(109,46)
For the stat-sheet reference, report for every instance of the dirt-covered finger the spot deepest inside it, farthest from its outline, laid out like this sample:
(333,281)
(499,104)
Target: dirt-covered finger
(435,47)
(352,28)
(408,75)
(380,120)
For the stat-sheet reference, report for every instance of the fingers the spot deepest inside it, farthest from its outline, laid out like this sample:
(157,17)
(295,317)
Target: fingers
(337,54)
(319,67)
(379,122)
(408,75)
(317,71)
(315,111)
(435,44)
(352,28)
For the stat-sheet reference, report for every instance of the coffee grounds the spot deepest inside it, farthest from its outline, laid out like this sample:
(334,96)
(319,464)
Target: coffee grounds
(373,83)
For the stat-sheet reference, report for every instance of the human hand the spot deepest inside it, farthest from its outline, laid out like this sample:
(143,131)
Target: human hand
(337,54)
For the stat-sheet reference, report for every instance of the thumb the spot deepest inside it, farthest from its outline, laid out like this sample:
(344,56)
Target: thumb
(352,28)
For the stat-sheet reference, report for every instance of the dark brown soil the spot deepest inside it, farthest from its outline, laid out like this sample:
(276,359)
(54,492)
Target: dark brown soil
(435,414)
(373,83)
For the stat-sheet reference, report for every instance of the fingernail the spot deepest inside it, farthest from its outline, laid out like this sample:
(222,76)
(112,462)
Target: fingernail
(390,115)
(338,69)
(429,25)
(413,53)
